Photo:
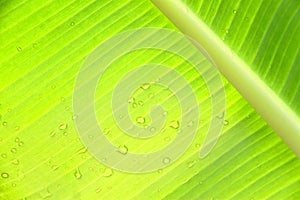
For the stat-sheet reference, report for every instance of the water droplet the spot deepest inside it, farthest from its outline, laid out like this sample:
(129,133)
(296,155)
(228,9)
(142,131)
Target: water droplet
(3,155)
(19,49)
(17,139)
(17,128)
(34,45)
(140,120)
(166,160)
(98,190)
(74,117)
(198,145)
(77,174)
(106,131)
(62,99)
(21,143)
(4,123)
(123,150)
(191,164)
(72,23)
(13,185)
(107,172)
(52,134)
(174,124)
(191,123)
(15,162)
(4,175)
(63,126)
(145,86)
(13,150)
(83,150)
(65,133)
(134,105)
(54,167)
(152,129)
(159,171)
(131,100)
(234,11)
(226,122)
(141,103)
(45,194)
(151,95)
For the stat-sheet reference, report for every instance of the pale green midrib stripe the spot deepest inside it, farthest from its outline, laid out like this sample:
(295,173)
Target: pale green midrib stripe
(230,159)
(268,104)
(211,165)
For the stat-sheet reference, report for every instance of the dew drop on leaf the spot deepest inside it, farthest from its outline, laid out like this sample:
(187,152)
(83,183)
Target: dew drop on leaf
(15,162)
(4,175)
(166,160)
(63,126)
(107,172)
(3,155)
(13,150)
(226,122)
(140,120)
(123,149)
(19,49)
(77,174)
(174,124)
(145,86)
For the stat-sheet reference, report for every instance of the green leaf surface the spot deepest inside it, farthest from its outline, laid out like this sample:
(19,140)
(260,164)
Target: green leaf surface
(43,45)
